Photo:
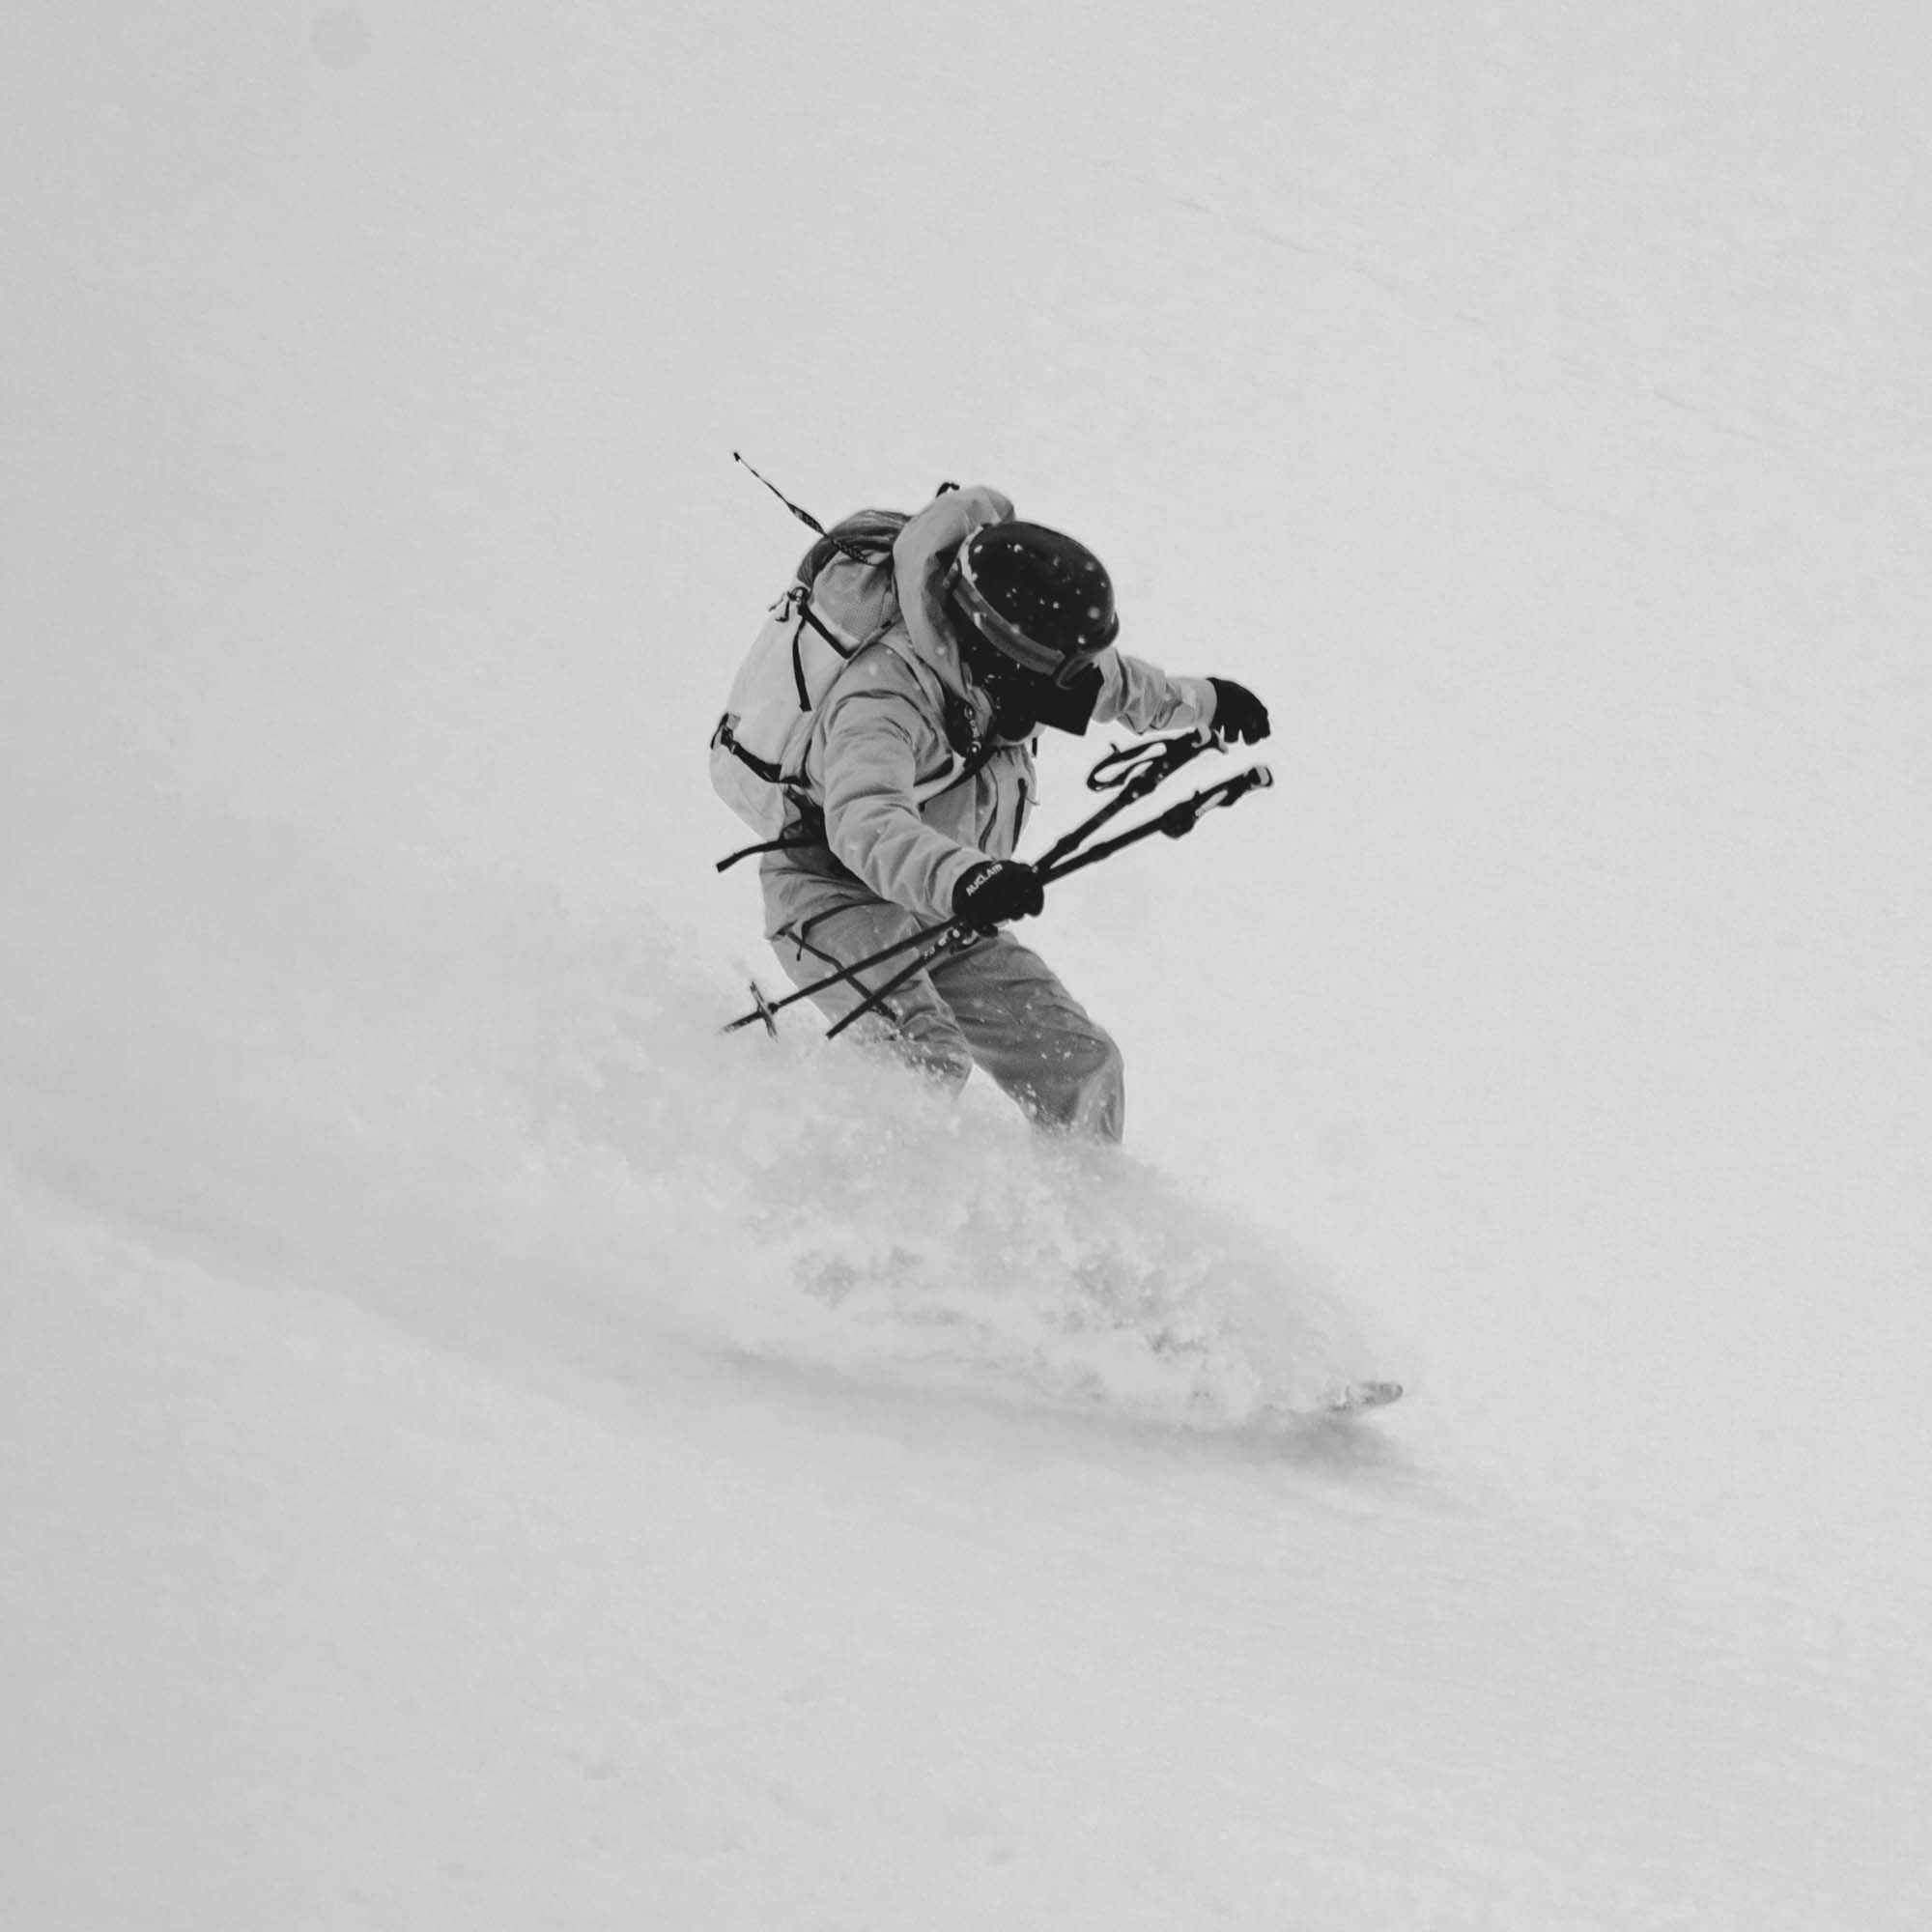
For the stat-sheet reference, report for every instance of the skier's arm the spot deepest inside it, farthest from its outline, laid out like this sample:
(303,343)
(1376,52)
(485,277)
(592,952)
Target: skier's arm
(1145,698)
(874,746)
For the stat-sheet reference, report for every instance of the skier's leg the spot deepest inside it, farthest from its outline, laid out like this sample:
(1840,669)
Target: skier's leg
(914,1023)
(1035,1038)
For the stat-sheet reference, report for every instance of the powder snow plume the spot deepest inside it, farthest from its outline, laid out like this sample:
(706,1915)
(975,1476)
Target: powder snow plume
(528,1133)
(858,1216)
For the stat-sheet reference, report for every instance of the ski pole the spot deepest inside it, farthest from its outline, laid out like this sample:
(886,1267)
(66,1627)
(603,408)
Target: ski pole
(1176,822)
(876,1000)
(1134,772)
(764,1008)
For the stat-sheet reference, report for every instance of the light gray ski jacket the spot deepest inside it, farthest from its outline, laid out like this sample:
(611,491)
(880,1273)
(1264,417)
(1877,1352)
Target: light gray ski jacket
(905,712)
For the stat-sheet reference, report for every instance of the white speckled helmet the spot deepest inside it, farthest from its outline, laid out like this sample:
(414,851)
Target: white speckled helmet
(1038,597)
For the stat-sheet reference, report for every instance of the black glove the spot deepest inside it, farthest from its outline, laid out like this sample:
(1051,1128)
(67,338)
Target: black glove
(1237,712)
(999,890)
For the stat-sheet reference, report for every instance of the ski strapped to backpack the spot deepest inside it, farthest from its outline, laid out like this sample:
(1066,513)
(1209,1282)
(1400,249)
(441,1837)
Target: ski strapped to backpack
(842,597)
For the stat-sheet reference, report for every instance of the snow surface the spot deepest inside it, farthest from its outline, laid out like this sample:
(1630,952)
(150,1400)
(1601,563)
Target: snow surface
(477,1448)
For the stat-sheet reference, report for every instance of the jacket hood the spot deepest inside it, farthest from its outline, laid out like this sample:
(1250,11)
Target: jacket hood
(922,553)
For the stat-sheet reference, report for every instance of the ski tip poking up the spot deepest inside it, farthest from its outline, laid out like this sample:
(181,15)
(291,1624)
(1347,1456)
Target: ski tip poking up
(1351,1398)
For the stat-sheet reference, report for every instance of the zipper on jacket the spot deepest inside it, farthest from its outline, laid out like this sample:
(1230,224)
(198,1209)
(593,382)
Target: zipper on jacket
(1019,813)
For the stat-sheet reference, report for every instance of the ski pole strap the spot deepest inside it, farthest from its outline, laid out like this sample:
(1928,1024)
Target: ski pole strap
(1146,764)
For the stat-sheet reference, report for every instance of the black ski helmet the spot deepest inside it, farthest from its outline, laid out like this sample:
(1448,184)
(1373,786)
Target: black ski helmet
(1036,596)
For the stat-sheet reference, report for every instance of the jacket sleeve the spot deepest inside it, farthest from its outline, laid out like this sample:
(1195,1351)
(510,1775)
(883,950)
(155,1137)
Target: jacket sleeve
(1146,698)
(875,742)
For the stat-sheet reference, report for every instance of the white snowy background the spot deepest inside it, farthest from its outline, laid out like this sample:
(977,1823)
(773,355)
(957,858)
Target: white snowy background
(478,1449)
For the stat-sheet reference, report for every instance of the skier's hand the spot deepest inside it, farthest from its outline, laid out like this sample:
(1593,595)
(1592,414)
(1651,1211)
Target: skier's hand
(999,890)
(1239,714)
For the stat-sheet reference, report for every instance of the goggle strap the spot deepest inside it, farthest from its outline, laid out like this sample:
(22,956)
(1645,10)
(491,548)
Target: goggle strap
(1061,668)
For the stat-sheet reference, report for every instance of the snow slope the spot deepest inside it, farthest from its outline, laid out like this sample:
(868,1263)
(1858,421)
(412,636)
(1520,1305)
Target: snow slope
(477,1448)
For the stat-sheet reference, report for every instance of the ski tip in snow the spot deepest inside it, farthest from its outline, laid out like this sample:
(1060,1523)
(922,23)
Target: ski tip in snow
(1351,1398)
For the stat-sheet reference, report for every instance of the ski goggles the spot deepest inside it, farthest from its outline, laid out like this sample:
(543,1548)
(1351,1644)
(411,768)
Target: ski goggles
(1060,668)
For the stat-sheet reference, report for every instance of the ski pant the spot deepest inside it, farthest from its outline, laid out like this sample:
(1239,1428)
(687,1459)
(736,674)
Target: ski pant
(994,1005)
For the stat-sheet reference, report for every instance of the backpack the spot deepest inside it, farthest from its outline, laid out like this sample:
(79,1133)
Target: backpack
(841,597)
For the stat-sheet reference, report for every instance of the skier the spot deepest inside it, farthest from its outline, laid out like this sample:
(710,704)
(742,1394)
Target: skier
(919,780)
